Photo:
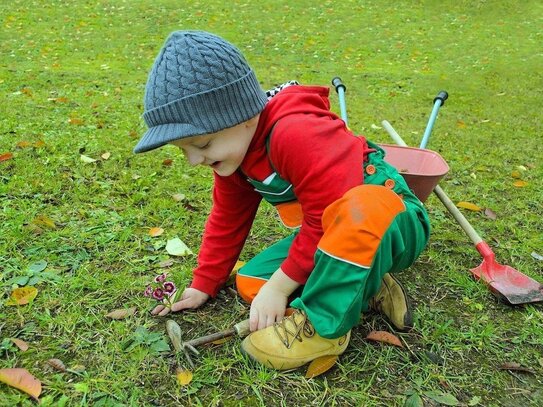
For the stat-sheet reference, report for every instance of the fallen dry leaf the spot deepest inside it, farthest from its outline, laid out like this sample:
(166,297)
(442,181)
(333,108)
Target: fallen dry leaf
(517,367)
(489,213)
(386,337)
(44,221)
(221,341)
(106,156)
(167,162)
(320,365)
(520,183)
(516,174)
(6,156)
(121,313)
(86,159)
(174,332)
(178,197)
(23,144)
(154,232)
(468,205)
(21,379)
(57,364)
(75,121)
(184,377)
(22,345)
(166,263)
(22,295)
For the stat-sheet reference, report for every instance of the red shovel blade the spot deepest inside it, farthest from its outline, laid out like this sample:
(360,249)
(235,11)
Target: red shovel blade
(507,283)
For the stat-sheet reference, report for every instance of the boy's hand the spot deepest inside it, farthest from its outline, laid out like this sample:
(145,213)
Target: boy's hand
(270,303)
(267,307)
(190,299)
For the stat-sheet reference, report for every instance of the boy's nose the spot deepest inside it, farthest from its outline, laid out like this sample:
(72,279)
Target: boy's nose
(194,158)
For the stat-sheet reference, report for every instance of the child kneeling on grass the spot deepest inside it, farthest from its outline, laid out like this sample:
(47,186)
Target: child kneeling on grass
(355,219)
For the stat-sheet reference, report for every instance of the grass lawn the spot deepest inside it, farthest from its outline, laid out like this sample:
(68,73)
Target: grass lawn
(72,79)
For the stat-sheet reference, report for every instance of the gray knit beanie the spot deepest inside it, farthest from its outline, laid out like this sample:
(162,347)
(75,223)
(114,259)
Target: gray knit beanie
(199,84)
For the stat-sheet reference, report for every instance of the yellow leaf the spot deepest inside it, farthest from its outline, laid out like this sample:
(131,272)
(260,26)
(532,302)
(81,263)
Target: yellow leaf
(516,174)
(44,221)
(154,232)
(320,365)
(184,377)
(106,156)
(460,124)
(21,379)
(386,337)
(23,144)
(469,205)
(22,345)
(22,295)
(520,184)
(75,121)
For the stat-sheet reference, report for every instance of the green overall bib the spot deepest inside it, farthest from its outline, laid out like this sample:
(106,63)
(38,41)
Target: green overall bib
(375,228)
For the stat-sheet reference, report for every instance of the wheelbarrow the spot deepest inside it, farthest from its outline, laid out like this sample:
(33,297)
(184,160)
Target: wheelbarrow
(422,170)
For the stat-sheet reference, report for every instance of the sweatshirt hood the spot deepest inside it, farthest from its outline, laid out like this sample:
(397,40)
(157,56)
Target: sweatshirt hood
(294,99)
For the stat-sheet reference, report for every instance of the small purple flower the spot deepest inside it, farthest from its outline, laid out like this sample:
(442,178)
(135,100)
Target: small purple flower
(148,291)
(160,278)
(158,294)
(169,287)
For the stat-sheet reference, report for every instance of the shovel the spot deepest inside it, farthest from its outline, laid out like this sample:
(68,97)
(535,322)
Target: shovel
(504,281)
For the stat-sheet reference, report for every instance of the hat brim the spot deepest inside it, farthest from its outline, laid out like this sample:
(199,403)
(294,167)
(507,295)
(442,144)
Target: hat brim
(162,134)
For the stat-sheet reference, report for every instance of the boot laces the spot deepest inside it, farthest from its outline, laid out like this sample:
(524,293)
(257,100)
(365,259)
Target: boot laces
(288,330)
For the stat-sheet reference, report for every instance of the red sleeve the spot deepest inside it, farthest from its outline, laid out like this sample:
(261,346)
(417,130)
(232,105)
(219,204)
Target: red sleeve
(234,208)
(322,160)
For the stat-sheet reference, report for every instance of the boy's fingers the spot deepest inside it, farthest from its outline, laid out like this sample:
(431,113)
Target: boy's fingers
(157,309)
(165,311)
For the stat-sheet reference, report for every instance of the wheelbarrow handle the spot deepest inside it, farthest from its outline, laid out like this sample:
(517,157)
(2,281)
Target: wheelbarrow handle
(439,100)
(341,89)
(455,212)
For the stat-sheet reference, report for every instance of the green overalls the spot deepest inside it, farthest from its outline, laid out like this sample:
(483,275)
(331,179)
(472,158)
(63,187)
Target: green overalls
(375,228)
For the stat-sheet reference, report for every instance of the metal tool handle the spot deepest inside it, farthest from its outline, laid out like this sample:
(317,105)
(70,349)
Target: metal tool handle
(439,100)
(341,89)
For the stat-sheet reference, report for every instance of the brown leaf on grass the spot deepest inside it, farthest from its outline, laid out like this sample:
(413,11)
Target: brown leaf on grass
(154,232)
(385,337)
(39,144)
(184,377)
(167,162)
(44,221)
(21,379)
(520,184)
(6,156)
(22,295)
(75,121)
(57,364)
(23,144)
(490,214)
(516,174)
(517,367)
(468,205)
(22,345)
(121,313)
(320,365)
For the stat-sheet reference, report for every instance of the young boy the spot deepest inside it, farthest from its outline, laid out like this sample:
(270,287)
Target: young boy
(354,217)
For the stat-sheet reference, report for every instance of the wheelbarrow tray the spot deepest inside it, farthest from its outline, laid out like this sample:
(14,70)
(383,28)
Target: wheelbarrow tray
(422,169)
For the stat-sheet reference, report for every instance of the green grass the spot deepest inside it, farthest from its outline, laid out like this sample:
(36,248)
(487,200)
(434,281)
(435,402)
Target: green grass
(88,62)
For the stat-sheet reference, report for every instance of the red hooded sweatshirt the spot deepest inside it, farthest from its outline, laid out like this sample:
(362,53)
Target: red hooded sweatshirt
(313,150)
